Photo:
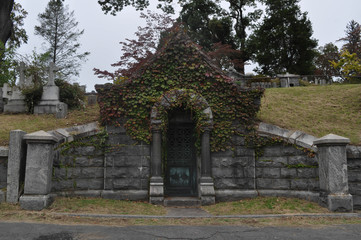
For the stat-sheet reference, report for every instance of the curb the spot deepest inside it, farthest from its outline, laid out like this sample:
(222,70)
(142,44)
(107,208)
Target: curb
(334,215)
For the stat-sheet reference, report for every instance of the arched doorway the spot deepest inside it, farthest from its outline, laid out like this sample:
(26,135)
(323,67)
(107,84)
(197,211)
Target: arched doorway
(203,186)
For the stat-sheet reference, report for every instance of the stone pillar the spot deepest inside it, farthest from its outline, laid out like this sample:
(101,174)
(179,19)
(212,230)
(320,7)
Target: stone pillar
(206,185)
(156,190)
(38,172)
(16,165)
(332,158)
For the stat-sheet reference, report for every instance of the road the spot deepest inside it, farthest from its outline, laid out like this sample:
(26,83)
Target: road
(32,231)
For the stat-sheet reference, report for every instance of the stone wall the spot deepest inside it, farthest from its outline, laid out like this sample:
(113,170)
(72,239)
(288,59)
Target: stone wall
(4,151)
(354,174)
(127,166)
(118,169)
(79,168)
(284,167)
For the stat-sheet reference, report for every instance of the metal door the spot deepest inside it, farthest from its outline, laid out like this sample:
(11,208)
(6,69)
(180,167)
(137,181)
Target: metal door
(181,161)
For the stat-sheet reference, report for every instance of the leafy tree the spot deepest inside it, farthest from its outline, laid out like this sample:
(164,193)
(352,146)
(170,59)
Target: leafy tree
(353,38)
(283,41)
(207,22)
(18,34)
(137,51)
(325,55)
(350,67)
(58,27)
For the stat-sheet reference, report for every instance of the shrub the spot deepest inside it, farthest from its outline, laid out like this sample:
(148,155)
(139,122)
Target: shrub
(70,94)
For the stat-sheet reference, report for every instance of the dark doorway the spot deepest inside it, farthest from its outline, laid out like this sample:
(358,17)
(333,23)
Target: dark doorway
(180,166)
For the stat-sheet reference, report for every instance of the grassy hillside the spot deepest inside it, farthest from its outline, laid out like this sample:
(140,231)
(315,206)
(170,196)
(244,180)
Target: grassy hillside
(31,123)
(317,110)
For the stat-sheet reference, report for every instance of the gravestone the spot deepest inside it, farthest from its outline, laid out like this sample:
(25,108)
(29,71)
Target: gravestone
(49,103)
(16,102)
(289,80)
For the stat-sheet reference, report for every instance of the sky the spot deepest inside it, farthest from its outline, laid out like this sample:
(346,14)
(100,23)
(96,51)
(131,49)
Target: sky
(102,33)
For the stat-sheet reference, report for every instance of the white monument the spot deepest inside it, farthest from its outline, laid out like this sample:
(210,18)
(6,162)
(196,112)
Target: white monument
(50,103)
(16,103)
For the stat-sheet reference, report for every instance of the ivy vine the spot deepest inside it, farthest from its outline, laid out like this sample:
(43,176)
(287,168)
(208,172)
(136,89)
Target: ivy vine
(180,64)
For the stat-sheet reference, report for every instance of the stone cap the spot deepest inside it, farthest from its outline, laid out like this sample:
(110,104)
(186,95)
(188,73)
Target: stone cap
(40,136)
(332,139)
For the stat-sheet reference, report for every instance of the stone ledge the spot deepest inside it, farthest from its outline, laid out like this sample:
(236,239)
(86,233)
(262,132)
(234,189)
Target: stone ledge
(293,137)
(76,132)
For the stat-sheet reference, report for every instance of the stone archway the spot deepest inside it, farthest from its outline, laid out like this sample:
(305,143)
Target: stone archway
(166,103)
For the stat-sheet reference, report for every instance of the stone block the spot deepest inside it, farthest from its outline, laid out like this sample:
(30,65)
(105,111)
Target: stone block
(92,172)
(305,184)
(307,172)
(130,183)
(356,202)
(234,172)
(227,153)
(267,183)
(82,161)
(353,164)
(89,184)
(2,196)
(354,176)
(234,194)
(63,185)
(134,195)
(119,139)
(243,151)
(249,172)
(272,151)
(35,202)
(96,162)
(259,172)
(271,162)
(302,159)
(271,173)
(355,188)
(288,173)
(225,183)
(114,130)
(340,203)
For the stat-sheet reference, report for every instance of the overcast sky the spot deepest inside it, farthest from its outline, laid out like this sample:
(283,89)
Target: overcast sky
(104,32)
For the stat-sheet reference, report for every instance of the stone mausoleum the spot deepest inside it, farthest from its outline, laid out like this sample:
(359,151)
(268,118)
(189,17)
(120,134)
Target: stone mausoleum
(178,131)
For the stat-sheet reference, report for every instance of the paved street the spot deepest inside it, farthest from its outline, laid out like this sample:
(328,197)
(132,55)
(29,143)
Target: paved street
(15,231)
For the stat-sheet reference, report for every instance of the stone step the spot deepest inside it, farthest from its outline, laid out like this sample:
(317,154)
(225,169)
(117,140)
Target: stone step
(182,202)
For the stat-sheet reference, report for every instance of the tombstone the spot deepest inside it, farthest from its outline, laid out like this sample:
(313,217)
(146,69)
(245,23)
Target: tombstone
(92,99)
(289,80)
(16,102)
(49,103)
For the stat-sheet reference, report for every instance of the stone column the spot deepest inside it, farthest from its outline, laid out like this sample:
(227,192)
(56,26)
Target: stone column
(38,172)
(206,186)
(332,159)
(156,189)
(16,165)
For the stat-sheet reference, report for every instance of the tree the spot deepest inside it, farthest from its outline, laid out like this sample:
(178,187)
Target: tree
(58,27)
(207,22)
(283,41)
(137,51)
(353,38)
(325,55)
(6,24)
(350,67)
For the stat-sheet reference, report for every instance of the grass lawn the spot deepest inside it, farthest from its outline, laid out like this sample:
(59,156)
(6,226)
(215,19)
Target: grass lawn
(32,123)
(316,110)
(261,205)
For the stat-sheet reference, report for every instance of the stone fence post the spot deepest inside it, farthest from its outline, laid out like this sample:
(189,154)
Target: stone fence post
(332,158)
(38,172)
(16,165)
